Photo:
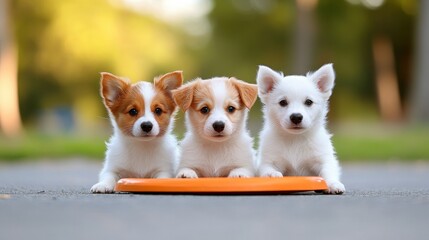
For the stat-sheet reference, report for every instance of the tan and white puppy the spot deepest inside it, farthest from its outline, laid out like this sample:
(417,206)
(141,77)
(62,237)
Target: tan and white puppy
(217,142)
(142,116)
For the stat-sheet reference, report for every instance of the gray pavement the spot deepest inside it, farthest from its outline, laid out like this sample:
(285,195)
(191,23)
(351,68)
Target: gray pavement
(51,200)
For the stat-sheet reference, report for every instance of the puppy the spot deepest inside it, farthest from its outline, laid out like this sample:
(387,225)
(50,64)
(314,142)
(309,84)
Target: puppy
(142,116)
(217,143)
(294,139)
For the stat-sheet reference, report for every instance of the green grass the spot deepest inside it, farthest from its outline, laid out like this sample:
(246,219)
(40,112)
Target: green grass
(352,143)
(52,147)
(383,144)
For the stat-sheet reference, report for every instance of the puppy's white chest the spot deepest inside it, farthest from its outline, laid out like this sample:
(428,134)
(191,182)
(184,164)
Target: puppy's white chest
(140,159)
(294,155)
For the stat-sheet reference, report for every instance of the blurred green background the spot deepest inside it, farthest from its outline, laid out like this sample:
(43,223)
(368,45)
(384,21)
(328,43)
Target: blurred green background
(52,52)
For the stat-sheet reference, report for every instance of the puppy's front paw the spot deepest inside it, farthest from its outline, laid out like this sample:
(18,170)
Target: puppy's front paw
(240,173)
(187,173)
(335,188)
(102,187)
(272,174)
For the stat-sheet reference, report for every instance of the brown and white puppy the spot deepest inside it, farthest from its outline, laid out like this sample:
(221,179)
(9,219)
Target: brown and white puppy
(142,116)
(217,142)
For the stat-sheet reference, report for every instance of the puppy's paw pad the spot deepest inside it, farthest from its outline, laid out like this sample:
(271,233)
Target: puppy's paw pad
(335,188)
(187,174)
(272,174)
(102,188)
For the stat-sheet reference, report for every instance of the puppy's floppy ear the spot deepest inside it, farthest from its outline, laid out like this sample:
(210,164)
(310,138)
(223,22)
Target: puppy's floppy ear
(248,92)
(324,79)
(184,95)
(266,79)
(112,87)
(169,81)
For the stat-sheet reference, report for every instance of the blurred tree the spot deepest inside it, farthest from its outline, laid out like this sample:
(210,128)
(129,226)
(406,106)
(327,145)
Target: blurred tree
(386,80)
(10,120)
(248,33)
(305,30)
(345,37)
(394,22)
(419,93)
(299,36)
(65,44)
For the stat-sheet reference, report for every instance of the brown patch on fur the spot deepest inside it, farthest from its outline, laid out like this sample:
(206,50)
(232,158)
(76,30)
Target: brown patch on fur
(233,96)
(195,95)
(202,96)
(120,110)
(163,99)
(112,88)
(183,96)
(120,97)
(233,99)
(169,81)
(248,92)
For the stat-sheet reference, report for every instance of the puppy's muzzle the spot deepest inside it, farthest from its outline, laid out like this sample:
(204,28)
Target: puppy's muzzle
(296,118)
(218,126)
(146,126)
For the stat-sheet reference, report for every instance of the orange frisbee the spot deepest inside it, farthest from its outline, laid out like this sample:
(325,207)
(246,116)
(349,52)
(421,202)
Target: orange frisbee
(221,185)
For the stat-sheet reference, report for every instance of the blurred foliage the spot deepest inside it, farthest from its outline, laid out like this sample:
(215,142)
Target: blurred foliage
(63,45)
(345,37)
(245,36)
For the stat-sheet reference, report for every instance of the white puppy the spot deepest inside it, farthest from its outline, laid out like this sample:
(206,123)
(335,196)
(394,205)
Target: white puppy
(217,143)
(294,139)
(142,117)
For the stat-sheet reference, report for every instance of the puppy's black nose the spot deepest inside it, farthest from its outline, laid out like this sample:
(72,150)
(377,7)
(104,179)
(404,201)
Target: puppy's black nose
(296,118)
(218,126)
(146,126)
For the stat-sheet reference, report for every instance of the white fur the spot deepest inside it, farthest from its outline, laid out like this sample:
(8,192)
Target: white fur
(148,92)
(233,157)
(218,112)
(297,149)
(127,156)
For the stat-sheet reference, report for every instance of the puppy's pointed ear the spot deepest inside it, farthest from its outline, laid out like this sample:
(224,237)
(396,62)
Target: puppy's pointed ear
(169,81)
(248,92)
(184,95)
(266,79)
(112,87)
(324,79)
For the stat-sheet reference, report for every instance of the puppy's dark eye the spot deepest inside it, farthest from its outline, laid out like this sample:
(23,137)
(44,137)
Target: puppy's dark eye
(231,109)
(283,103)
(158,111)
(133,112)
(204,110)
(308,102)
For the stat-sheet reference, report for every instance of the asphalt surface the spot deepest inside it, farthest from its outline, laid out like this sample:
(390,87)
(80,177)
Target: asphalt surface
(51,200)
